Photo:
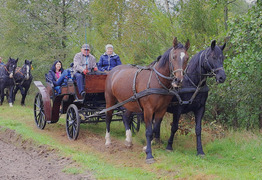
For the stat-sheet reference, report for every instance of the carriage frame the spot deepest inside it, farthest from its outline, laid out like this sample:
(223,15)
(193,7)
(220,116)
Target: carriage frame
(48,106)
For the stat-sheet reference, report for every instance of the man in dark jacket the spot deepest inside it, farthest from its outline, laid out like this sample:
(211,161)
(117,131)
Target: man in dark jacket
(109,59)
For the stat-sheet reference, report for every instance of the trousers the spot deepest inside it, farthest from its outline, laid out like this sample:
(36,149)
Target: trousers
(79,78)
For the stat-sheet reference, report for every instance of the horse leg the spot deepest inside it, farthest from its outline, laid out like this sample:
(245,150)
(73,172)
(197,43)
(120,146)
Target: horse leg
(156,131)
(108,122)
(11,91)
(24,93)
(149,136)
(174,128)
(15,91)
(126,121)
(198,118)
(2,96)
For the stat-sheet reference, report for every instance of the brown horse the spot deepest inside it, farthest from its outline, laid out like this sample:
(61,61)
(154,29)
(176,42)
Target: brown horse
(125,81)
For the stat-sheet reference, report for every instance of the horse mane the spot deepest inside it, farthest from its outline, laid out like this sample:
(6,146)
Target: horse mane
(165,57)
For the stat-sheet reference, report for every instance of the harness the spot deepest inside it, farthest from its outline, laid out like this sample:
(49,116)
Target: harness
(24,77)
(211,72)
(153,69)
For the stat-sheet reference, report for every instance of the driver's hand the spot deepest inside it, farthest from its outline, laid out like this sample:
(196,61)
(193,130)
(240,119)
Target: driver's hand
(85,71)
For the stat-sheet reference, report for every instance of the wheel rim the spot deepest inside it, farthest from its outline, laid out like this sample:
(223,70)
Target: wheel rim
(72,122)
(39,112)
(135,123)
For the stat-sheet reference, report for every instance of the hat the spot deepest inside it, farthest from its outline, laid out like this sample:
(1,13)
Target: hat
(85,46)
(109,46)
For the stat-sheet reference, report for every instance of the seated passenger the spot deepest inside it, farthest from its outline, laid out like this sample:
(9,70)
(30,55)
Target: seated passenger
(109,59)
(84,62)
(58,76)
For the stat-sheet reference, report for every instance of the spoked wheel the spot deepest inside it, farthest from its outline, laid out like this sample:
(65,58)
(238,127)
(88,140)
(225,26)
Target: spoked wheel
(135,122)
(72,122)
(39,112)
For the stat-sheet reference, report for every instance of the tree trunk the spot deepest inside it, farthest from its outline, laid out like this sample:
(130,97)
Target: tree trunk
(225,16)
(168,11)
(64,38)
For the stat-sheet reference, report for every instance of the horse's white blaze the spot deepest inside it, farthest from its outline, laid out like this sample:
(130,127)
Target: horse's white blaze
(10,104)
(128,135)
(27,72)
(182,55)
(108,138)
(11,75)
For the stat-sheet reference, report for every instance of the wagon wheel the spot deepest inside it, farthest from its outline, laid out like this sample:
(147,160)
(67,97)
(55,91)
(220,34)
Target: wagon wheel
(39,112)
(135,122)
(72,122)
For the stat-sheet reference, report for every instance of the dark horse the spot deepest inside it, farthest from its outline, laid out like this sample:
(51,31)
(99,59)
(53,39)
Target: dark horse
(23,79)
(7,79)
(125,81)
(202,65)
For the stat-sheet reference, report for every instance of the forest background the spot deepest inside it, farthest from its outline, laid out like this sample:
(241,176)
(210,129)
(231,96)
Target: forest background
(141,30)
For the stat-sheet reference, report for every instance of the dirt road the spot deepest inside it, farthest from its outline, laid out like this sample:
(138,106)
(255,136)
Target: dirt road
(20,159)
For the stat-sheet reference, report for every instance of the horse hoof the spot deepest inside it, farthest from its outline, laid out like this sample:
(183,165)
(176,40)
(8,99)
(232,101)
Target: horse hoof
(128,144)
(201,155)
(150,161)
(10,105)
(108,144)
(169,150)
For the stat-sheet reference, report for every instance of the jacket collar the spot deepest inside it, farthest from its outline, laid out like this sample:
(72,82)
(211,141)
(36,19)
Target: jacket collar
(111,54)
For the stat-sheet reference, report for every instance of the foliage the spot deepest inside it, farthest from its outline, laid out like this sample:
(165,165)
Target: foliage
(140,31)
(238,100)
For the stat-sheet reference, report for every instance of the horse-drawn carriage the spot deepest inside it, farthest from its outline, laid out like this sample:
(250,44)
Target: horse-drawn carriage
(153,89)
(48,106)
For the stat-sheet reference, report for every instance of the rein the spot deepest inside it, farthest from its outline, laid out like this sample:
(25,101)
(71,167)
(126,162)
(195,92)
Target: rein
(171,71)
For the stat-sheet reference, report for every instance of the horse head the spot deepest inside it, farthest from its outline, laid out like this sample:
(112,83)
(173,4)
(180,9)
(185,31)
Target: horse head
(178,61)
(27,68)
(11,66)
(213,63)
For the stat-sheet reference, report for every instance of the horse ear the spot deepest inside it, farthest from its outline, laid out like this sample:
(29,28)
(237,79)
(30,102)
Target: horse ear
(16,60)
(187,44)
(30,62)
(223,47)
(213,44)
(175,43)
(25,61)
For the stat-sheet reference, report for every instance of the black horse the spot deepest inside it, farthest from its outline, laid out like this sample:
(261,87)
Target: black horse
(194,91)
(23,79)
(7,79)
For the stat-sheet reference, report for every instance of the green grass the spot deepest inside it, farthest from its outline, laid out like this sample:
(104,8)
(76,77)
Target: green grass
(235,156)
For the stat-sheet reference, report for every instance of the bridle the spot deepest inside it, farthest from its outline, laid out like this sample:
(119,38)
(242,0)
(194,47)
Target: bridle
(172,72)
(211,71)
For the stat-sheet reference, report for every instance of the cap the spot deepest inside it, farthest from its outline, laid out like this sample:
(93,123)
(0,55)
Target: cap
(85,46)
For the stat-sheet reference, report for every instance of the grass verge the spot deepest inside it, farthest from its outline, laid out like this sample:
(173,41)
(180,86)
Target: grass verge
(235,156)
